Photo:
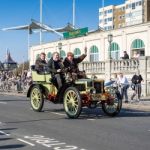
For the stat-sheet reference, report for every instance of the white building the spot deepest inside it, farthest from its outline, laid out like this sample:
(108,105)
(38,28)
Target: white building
(134,12)
(136,37)
(131,12)
(106,17)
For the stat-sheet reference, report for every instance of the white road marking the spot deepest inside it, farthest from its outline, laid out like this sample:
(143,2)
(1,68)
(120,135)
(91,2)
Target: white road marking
(58,114)
(3,102)
(1,124)
(91,119)
(51,142)
(4,133)
(26,142)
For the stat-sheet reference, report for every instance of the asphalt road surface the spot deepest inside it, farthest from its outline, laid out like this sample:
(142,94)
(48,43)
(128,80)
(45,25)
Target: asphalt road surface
(22,128)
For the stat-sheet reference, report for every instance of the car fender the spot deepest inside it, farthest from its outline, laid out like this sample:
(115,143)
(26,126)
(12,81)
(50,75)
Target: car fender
(34,84)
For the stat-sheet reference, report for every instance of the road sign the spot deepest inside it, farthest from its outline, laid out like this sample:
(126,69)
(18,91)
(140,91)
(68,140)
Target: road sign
(76,33)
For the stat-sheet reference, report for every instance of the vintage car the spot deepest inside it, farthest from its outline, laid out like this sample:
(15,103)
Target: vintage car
(75,95)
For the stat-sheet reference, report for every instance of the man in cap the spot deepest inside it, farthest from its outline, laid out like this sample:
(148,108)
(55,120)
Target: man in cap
(71,63)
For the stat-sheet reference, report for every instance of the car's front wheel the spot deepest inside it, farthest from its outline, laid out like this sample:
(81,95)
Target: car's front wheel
(113,108)
(36,98)
(72,102)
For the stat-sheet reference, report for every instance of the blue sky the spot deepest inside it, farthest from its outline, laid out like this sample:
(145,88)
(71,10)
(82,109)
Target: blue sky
(56,13)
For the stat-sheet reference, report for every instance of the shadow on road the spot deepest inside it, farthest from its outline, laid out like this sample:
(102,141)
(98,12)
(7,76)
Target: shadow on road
(12,100)
(8,129)
(12,146)
(5,139)
(99,114)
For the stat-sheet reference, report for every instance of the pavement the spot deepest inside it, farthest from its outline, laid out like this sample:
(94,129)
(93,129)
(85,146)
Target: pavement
(143,104)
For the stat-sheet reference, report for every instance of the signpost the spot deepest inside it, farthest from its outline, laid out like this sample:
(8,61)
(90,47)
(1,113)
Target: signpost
(76,33)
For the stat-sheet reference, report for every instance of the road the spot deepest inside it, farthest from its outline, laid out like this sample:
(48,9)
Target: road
(22,128)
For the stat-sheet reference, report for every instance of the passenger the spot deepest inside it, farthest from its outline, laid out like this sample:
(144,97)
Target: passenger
(55,66)
(72,64)
(40,63)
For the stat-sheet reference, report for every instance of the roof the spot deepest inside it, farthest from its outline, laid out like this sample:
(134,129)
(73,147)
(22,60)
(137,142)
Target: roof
(8,59)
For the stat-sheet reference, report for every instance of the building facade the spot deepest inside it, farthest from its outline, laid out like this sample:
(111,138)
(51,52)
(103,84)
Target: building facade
(130,13)
(130,39)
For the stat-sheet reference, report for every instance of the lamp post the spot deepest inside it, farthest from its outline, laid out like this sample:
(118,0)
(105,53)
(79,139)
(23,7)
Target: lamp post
(60,47)
(110,39)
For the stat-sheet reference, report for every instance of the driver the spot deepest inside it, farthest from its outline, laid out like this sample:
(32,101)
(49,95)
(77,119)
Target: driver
(71,64)
(55,66)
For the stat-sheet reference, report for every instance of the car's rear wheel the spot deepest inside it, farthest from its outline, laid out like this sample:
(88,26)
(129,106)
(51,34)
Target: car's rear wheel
(72,102)
(112,108)
(36,98)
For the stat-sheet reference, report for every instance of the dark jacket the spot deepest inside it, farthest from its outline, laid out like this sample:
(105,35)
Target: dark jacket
(126,56)
(136,79)
(51,66)
(40,64)
(73,66)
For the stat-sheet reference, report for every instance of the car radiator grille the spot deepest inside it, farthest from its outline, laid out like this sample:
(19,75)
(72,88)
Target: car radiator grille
(81,87)
(99,87)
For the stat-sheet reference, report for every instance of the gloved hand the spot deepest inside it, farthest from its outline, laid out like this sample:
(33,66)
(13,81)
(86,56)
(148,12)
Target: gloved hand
(58,70)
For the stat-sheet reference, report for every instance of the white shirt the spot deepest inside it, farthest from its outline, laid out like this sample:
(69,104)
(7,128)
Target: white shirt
(123,80)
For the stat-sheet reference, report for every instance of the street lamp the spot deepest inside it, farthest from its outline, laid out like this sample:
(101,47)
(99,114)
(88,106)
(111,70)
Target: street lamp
(60,47)
(110,39)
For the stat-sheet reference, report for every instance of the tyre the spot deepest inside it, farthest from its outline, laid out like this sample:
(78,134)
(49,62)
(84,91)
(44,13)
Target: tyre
(113,108)
(36,98)
(72,102)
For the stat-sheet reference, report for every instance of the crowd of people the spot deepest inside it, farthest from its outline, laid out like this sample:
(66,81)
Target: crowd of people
(123,83)
(9,81)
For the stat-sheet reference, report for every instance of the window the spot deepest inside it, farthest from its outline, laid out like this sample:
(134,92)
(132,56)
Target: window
(115,51)
(77,52)
(110,11)
(37,56)
(100,13)
(49,55)
(110,19)
(133,5)
(140,3)
(62,54)
(94,54)
(137,44)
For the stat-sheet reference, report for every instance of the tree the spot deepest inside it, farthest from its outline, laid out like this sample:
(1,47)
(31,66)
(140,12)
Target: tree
(22,67)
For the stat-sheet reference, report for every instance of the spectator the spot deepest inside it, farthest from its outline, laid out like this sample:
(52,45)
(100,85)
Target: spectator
(136,85)
(124,84)
(136,55)
(125,56)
